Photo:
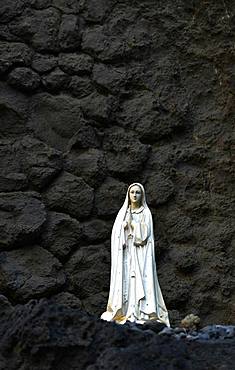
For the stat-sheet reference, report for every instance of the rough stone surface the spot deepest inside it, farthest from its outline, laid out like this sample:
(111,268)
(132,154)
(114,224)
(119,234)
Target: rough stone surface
(87,270)
(114,80)
(22,217)
(125,155)
(14,112)
(14,54)
(38,161)
(55,120)
(30,272)
(96,230)
(45,334)
(75,63)
(69,38)
(70,194)
(80,86)
(90,164)
(28,162)
(108,195)
(62,234)
(56,80)
(43,63)
(38,27)
(95,95)
(24,79)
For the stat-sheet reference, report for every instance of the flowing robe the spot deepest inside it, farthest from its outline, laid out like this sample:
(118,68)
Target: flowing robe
(135,294)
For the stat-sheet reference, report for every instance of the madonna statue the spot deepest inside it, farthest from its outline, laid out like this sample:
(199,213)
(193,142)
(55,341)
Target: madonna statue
(135,294)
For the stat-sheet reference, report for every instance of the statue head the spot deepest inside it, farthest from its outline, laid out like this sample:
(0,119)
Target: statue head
(135,195)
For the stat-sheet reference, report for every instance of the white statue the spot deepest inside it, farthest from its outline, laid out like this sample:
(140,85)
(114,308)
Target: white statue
(135,294)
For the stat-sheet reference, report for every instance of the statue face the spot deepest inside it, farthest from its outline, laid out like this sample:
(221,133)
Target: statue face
(135,194)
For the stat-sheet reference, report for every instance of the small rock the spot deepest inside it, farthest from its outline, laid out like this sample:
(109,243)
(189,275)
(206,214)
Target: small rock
(109,197)
(24,79)
(73,63)
(56,80)
(13,182)
(96,230)
(90,164)
(190,322)
(38,27)
(62,234)
(43,63)
(30,272)
(69,36)
(99,107)
(159,189)
(80,86)
(22,217)
(167,331)
(14,53)
(67,299)
(179,330)
(70,194)
(50,116)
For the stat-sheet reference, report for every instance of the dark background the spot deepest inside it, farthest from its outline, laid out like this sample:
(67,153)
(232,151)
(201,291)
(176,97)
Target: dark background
(95,95)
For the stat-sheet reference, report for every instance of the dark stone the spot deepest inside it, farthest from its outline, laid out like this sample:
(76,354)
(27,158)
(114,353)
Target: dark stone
(56,336)
(109,197)
(87,271)
(73,63)
(99,107)
(112,79)
(178,226)
(69,37)
(80,86)
(30,272)
(94,40)
(38,27)
(24,79)
(55,119)
(9,166)
(185,261)
(93,11)
(22,218)
(43,63)
(14,53)
(67,299)
(153,325)
(40,4)
(211,280)
(90,165)
(10,9)
(13,182)
(13,110)
(145,114)
(5,305)
(38,161)
(85,137)
(96,230)
(159,188)
(125,154)
(70,194)
(56,80)
(96,303)
(66,6)
(108,44)
(177,290)
(62,234)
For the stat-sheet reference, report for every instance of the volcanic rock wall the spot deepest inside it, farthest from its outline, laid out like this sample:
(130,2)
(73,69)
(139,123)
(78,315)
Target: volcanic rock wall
(96,94)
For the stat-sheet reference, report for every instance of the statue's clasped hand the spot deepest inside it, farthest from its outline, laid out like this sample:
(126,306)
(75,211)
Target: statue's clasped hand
(141,243)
